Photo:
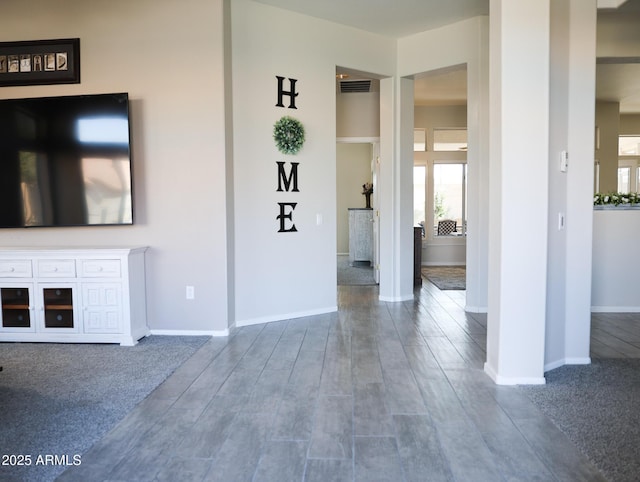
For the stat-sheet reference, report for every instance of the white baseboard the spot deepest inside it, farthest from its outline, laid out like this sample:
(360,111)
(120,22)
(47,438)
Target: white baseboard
(476,309)
(286,316)
(500,380)
(567,361)
(191,332)
(395,299)
(615,309)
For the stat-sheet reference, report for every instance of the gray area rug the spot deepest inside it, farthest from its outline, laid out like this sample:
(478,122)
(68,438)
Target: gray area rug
(59,399)
(446,277)
(359,274)
(597,407)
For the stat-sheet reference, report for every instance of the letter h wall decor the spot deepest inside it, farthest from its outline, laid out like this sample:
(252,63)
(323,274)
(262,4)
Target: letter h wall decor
(288,134)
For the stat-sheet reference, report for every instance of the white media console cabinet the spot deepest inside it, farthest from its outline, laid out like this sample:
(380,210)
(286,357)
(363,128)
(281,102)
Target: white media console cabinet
(73,295)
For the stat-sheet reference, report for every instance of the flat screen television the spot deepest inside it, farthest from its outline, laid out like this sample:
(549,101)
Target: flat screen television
(65,161)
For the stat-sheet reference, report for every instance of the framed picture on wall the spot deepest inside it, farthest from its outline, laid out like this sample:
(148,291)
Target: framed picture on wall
(39,62)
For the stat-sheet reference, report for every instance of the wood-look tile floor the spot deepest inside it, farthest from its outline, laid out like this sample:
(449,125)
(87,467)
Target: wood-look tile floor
(375,392)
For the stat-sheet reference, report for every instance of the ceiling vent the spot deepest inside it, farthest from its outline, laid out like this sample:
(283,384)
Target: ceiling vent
(351,86)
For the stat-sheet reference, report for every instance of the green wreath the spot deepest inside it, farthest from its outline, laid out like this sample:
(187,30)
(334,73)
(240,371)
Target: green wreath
(288,134)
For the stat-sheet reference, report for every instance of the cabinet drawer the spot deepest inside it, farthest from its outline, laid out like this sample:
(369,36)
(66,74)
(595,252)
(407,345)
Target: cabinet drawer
(56,268)
(100,268)
(18,268)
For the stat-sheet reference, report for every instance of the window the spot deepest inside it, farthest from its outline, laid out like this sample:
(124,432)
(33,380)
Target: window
(419,195)
(440,186)
(440,195)
(449,198)
(450,139)
(419,140)
(628,164)
(624,173)
(629,145)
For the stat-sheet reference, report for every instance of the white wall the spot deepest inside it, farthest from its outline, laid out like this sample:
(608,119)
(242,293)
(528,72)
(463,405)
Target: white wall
(358,114)
(438,116)
(572,115)
(630,124)
(465,42)
(353,170)
(582,28)
(608,124)
(555,336)
(280,275)
(615,264)
(617,34)
(169,57)
(444,252)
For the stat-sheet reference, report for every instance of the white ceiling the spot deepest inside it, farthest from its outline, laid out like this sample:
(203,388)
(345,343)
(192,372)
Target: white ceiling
(399,18)
(619,83)
(391,18)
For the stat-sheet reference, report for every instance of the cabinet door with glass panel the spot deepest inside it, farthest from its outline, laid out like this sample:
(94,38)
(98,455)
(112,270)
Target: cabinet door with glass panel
(57,308)
(17,309)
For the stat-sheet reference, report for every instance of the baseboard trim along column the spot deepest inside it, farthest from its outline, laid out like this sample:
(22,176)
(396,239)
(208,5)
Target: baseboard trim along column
(501,380)
(393,299)
(567,361)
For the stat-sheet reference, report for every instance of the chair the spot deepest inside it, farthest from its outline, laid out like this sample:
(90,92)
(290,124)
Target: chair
(446,227)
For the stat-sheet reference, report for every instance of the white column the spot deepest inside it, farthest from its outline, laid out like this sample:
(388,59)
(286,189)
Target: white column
(572,106)
(385,186)
(518,216)
(478,235)
(396,189)
(582,88)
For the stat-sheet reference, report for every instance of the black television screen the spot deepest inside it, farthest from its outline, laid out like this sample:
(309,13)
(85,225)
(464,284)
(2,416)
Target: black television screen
(65,161)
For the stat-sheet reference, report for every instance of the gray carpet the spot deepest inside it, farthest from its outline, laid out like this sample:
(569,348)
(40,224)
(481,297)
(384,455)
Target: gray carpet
(59,399)
(361,273)
(597,407)
(446,277)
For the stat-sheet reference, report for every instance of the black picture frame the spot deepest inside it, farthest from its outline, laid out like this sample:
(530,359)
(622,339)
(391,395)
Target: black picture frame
(40,62)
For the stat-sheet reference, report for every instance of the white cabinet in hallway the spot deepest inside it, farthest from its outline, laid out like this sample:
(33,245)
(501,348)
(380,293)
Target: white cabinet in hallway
(360,235)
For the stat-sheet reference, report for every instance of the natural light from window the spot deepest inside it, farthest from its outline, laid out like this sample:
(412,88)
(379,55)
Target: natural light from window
(103,130)
(624,173)
(450,139)
(419,194)
(419,140)
(448,198)
(629,145)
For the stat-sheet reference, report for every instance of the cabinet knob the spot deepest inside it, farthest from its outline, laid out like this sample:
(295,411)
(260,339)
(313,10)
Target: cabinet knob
(12,269)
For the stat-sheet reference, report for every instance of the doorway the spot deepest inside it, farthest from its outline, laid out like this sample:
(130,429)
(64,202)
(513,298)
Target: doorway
(356,179)
(440,165)
(357,173)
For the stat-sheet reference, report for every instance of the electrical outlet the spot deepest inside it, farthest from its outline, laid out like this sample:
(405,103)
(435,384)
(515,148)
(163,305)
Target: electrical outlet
(191,293)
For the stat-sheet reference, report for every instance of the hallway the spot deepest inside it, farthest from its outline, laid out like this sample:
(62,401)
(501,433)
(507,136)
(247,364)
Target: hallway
(378,391)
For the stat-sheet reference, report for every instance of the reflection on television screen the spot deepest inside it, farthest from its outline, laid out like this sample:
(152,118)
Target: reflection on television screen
(65,161)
